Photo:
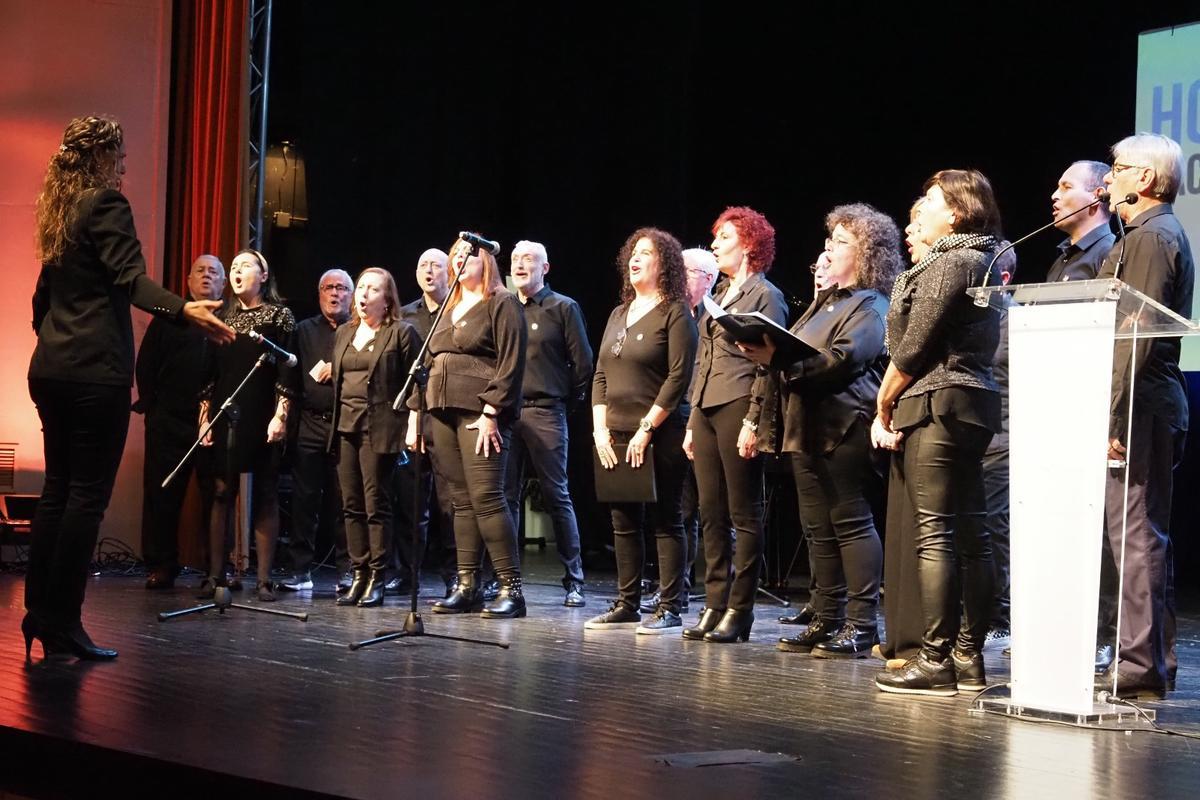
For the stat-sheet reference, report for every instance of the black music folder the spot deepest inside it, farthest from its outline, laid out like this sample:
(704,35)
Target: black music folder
(750,329)
(623,483)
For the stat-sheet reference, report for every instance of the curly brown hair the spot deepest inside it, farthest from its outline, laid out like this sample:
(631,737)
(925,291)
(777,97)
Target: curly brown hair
(672,275)
(876,243)
(88,158)
(755,234)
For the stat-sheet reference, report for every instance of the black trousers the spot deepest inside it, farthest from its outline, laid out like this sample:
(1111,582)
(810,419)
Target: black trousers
(847,557)
(481,514)
(1147,629)
(730,489)
(540,436)
(433,494)
(366,481)
(168,438)
(670,466)
(691,527)
(316,496)
(944,482)
(995,487)
(84,427)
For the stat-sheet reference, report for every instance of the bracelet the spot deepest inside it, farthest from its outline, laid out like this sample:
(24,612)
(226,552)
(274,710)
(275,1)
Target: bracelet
(753,426)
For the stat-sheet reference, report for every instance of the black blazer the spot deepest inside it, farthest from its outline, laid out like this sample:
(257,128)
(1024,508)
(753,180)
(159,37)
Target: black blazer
(392,355)
(81,305)
(723,372)
(819,398)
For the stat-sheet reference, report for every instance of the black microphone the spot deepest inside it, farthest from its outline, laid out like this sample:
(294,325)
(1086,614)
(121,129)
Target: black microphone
(275,349)
(475,240)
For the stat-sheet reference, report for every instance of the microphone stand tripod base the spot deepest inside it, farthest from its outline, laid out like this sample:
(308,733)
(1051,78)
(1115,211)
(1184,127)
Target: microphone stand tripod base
(413,626)
(223,599)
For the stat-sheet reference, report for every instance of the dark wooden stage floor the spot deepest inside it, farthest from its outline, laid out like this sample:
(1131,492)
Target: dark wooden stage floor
(251,705)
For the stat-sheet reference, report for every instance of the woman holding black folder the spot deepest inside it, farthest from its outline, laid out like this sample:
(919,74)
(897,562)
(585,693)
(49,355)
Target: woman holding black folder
(827,401)
(643,370)
(722,430)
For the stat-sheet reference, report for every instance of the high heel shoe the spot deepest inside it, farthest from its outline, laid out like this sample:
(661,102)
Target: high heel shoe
(734,627)
(77,642)
(708,620)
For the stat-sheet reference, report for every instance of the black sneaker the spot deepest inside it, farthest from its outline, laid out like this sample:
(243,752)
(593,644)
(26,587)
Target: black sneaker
(663,621)
(920,676)
(619,616)
(574,598)
(850,642)
(650,603)
(968,670)
(997,637)
(817,631)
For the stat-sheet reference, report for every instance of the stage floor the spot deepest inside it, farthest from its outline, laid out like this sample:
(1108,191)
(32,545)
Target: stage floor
(269,706)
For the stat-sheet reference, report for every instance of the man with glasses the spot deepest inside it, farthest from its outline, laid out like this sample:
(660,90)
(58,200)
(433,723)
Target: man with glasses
(1089,237)
(315,492)
(1156,259)
(558,370)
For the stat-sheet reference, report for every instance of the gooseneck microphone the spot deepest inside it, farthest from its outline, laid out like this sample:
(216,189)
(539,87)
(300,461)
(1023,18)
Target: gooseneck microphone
(1130,198)
(475,240)
(1101,197)
(276,350)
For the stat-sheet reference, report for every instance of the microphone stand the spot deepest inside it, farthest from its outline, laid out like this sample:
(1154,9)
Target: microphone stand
(418,376)
(223,597)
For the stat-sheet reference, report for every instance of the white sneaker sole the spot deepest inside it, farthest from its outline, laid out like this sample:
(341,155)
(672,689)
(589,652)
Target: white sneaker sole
(659,631)
(604,626)
(948,692)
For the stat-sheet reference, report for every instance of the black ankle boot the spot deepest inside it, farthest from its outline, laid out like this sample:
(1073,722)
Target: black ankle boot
(708,620)
(734,627)
(465,598)
(817,631)
(76,642)
(802,617)
(373,594)
(358,585)
(509,603)
(850,642)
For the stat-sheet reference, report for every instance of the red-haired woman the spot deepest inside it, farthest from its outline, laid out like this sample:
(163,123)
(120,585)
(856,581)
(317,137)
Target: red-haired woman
(476,364)
(645,365)
(722,429)
(372,355)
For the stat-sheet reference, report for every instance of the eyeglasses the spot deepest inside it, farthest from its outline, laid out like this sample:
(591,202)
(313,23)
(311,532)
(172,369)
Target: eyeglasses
(619,343)
(830,243)
(335,287)
(1117,169)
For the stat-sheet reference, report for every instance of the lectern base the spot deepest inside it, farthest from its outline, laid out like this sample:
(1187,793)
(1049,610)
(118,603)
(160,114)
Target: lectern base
(1106,715)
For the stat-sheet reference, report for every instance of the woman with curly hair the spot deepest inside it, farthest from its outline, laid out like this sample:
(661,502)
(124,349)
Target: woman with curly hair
(644,368)
(722,430)
(827,402)
(940,395)
(476,363)
(262,407)
(82,368)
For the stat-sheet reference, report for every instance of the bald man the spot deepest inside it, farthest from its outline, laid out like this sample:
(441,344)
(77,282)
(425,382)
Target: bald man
(315,492)
(169,378)
(433,281)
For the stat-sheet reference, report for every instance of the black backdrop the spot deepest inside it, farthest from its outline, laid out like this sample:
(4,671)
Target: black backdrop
(573,124)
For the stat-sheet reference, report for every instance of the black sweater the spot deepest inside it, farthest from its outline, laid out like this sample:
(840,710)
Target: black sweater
(657,355)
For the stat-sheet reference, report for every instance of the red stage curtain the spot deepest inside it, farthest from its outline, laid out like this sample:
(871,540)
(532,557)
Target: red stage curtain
(206,189)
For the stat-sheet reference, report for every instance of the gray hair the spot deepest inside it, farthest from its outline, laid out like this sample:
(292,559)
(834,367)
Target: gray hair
(1161,154)
(341,273)
(700,258)
(537,248)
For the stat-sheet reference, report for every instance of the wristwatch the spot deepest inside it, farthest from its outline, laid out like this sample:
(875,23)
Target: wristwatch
(645,425)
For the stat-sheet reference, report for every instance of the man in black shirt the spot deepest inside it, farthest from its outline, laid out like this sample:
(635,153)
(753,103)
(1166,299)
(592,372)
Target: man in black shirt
(1157,260)
(558,369)
(1088,235)
(432,278)
(169,378)
(315,490)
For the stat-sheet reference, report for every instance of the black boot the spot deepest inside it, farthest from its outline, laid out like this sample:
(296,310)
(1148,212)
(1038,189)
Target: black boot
(734,627)
(75,641)
(465,598)
(803,617)
(373,594)
(850,642)
(708,620)
(509,603)
(817,631)
(358,585)
(968,669)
